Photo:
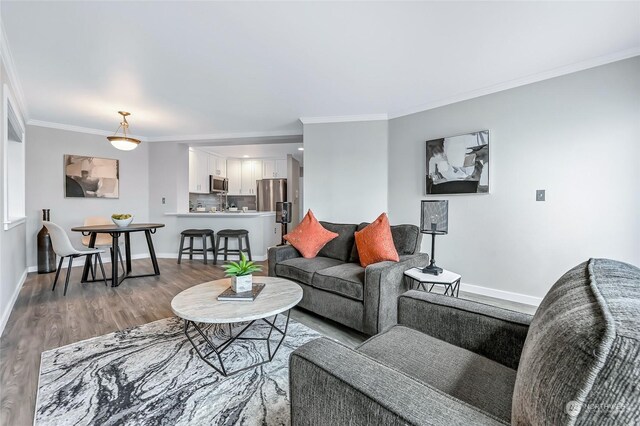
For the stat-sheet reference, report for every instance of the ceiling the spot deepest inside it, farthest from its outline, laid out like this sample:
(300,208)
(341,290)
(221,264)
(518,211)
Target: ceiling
(245,68)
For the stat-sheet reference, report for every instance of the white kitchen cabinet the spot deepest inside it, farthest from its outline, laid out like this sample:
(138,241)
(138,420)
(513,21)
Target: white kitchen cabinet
(234,174)
(251,172)
(198,171)
(273,169)
(242,175)
(217,166)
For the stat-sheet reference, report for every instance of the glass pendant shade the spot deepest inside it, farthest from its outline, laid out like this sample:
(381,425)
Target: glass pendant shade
(122,143)
(434,217)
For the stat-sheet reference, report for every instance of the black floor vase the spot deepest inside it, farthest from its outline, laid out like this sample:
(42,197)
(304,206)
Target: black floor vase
(46,255)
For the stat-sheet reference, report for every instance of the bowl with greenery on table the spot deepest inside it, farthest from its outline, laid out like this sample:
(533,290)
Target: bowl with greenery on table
(122,220)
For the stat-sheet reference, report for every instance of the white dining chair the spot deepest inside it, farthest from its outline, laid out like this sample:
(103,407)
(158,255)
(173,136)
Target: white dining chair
(102,241)
(63,248)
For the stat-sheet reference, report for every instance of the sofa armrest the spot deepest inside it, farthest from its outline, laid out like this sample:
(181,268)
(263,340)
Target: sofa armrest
(490,331)
(383,283)
(279,254)
(331,384)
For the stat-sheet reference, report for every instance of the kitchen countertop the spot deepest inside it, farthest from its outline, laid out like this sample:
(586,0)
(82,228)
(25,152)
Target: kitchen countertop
(248,214)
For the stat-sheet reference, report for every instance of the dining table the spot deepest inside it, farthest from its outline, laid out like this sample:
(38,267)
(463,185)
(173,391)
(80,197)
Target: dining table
(116,232)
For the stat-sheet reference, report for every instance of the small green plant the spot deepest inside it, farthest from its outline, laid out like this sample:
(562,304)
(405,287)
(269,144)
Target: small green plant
(239,269)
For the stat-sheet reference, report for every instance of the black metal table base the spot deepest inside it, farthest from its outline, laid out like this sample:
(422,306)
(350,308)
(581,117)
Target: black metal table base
(115,250)
(212,354)
(452,289)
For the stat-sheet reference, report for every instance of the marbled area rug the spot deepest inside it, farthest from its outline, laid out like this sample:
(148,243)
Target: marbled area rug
(151,375)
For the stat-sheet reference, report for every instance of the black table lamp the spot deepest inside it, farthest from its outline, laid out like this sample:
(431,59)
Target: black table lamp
(283,216)
(434,220)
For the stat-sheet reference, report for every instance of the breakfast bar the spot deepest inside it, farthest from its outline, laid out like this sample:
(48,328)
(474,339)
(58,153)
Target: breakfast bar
(264,232)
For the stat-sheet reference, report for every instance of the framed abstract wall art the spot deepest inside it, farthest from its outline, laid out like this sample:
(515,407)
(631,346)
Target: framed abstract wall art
(458,164)
(91,177)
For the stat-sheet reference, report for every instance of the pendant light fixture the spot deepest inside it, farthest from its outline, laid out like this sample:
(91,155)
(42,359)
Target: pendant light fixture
(123,142)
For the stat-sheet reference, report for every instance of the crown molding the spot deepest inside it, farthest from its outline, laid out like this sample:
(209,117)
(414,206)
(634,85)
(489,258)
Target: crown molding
(187,138)
(533,78)
(222,136)
(344,118)
(12,75)
(71,128)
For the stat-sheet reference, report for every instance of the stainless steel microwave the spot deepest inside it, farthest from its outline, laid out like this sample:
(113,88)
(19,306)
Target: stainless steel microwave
(218,185)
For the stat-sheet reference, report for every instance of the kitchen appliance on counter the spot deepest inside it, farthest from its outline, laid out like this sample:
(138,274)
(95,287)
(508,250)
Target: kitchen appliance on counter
(271,191)
(218,185)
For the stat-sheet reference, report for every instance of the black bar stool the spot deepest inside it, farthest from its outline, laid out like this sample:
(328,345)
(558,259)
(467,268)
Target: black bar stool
(240,234)
(201,233)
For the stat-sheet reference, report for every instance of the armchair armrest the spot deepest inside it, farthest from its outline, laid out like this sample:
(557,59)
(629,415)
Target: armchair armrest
(383,283)
(490,331)
(331,384)
(279,254)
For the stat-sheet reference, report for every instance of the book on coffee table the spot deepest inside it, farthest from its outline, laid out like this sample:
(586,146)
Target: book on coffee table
(245,296)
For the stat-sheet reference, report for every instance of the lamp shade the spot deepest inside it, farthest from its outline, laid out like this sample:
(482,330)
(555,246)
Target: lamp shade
(283,212)
(122,143)
(434,217)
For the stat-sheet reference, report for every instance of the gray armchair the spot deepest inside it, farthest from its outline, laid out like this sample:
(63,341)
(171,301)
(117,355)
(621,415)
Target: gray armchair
(452,361)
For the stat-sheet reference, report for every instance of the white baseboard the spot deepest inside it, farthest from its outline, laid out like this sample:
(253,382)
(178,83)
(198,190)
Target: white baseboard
(501,294)
(107,259)
(14,297)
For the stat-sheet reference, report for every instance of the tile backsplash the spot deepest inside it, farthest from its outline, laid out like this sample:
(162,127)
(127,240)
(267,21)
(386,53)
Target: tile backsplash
(213,200)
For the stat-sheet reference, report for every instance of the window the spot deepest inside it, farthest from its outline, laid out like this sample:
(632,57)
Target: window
(14,162)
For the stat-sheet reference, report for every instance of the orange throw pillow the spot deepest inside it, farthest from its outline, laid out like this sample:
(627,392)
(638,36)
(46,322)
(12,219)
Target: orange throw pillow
(375,242)
(309,236)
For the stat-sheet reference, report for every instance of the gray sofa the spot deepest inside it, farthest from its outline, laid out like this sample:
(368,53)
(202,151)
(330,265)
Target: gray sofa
(336,286)
(456,362)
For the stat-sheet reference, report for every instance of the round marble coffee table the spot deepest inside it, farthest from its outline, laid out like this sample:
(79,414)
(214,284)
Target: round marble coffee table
(199,306)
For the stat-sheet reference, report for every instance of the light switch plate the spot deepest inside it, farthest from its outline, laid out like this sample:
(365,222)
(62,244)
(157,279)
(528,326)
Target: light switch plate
(540,195)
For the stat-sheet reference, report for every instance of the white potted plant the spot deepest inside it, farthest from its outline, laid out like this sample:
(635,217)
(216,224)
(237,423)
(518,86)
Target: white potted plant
(240,273)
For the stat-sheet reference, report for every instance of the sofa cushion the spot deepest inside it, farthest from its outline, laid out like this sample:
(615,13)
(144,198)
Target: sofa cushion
(301,269)
(465,375)
(406,238)
(582,346)
(375,243)
(346,280)
(309,236)
(340,247)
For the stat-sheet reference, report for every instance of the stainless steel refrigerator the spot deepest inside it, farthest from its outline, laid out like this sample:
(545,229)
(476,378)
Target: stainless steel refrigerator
(270,191)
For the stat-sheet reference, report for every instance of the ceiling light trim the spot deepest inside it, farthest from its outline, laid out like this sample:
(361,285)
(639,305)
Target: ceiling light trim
(512,84)
(14,82)
(344,118)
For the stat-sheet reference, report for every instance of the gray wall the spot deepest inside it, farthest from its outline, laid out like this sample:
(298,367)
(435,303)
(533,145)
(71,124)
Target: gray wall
(45,184)
(345,170)
(168,178)
(577,136)
(12,241)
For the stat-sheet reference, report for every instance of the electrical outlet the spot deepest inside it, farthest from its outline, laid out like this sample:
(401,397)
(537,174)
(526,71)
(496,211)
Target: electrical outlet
(540,195)
(164,201)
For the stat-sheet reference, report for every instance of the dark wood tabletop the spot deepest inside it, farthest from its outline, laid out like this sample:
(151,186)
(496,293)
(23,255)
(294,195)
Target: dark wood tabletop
(113,228)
